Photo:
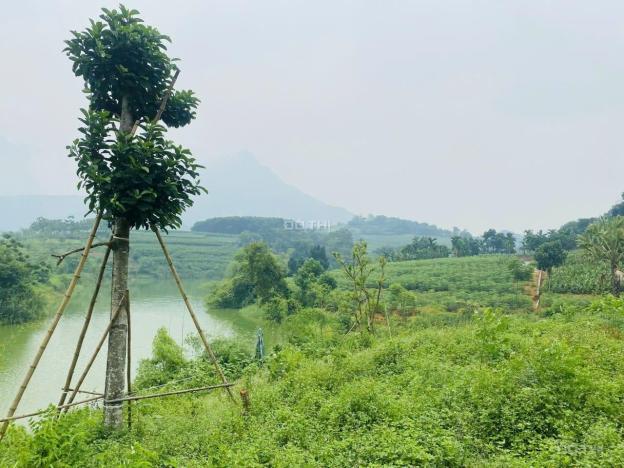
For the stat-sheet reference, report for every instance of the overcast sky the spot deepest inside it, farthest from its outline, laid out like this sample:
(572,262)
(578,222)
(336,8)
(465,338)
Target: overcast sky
(476,114)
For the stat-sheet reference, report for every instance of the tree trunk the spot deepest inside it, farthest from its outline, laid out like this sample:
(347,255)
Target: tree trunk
(615,281)
(118,336)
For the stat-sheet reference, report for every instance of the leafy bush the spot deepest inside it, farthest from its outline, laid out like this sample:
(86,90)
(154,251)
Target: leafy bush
(20,279)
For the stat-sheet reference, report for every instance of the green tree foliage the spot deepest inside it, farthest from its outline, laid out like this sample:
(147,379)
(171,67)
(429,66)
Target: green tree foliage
(550,255)
(359,272)
(604,241)
(121,58)
(566,236)
(67,228)
(313,284)
(167,360)
(423,247)
(388,225)
(498,242)
(466,246)
(20,298)
(302,253)
(419,249)
(239,224)
(519,271)
(256,276)
(617,209)
(143,178)
(400,299)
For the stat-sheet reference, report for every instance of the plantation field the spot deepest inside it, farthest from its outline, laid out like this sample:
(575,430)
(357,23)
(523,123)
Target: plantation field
(196,256)
(456,284)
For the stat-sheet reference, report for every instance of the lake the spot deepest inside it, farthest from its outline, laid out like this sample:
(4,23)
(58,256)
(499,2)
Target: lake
(153,305)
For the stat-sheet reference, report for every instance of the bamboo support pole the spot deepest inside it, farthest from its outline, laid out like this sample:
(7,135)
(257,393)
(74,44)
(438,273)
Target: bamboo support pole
(83,376)
(176,277)
(65,406)
(129,362)
(86,392)
(120,400)
(175,392)
(163,103)
(538,293)
(85,326)
(55,321)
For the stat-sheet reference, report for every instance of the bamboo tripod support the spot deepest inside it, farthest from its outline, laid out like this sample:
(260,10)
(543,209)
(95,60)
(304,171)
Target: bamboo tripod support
(176,277)
(129,363)
(85,326)
(55,321)
(77,387)
(84,374)
(62,406)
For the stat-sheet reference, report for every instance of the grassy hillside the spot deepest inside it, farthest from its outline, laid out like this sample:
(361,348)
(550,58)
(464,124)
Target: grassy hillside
(443,390)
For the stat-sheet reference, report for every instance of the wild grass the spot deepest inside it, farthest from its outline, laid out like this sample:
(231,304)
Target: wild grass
(488,390)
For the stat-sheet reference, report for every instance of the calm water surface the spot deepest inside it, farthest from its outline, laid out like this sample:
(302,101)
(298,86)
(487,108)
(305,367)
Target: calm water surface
(153,305)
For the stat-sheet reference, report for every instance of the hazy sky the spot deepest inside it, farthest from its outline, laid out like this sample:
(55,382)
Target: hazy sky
(470,113)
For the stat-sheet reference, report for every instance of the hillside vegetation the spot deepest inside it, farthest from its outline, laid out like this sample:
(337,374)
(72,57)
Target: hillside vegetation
(436,384)
(437,389)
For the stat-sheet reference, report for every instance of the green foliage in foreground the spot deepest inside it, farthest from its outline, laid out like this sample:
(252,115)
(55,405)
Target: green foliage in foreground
(443,390)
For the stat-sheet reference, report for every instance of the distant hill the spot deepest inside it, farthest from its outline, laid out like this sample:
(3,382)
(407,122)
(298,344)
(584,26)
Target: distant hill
(237,186)
(241,186)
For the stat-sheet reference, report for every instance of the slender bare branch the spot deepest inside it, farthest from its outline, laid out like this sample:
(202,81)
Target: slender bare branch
(61,257)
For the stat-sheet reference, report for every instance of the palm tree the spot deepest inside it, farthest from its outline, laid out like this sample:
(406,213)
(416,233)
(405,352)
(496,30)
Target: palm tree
(604,241)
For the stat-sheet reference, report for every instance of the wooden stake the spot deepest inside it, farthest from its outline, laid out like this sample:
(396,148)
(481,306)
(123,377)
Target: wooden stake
(129,362)
(245,399)
(85,325)
(176,277)
(97,350)
(55,321)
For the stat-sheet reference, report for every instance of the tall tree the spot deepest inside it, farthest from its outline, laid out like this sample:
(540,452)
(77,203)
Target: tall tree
(134,180)
(358,273)
(604,241)
(550,255)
